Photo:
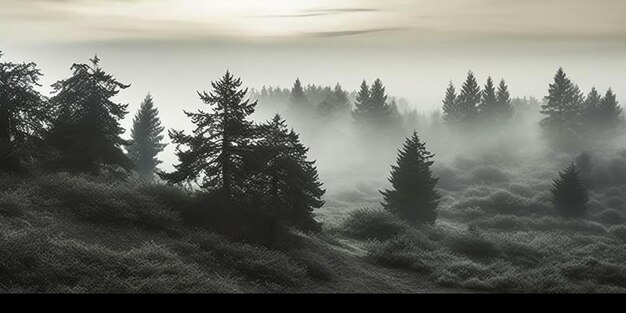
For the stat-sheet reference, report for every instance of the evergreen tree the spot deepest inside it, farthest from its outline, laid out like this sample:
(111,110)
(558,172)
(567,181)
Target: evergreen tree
(86,130)
(372,108)
(468,100)
(590,109)
(569,195)
(609,112)
(488,105)
(413,197)
(220,141)
(298,100)
(504,106)
(22,112)
(563,107)
(451,112)
(362,103)
(147,138)
(335,104)
(289,182)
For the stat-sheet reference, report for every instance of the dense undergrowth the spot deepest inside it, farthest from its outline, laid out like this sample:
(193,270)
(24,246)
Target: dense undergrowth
(496,232)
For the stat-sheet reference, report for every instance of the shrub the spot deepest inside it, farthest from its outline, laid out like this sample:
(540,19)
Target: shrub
(366,224)
(619,232)
(473,244)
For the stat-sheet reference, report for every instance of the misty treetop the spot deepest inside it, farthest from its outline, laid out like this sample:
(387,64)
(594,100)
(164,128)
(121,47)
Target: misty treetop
(413,196)
(86,130)
(215,149)
(473,107)
(23,112)
(373,110)
(571,117)
(147,138)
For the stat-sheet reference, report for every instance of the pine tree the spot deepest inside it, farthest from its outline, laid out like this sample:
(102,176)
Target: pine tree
(372,108)
(413,197)
(569,195)
(468,100)
(504,107)
(563,107)
(488,106)
(147,138)
(362,103)
(219,142)
(609,112)
(590,109)
(86,130)
(23,112)
(335,104)
(289,182)
(451,112)
(298,100)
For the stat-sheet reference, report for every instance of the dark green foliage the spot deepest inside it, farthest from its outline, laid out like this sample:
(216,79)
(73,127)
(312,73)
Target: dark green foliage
(451,112)
(23,113)
(504,107)
(569,195)
(372,109)
(488,105)
(298,101)
(216,149)
(147,138)
(335,104)
(86,129)
(413,197)
(468,100)
(287,182)
(563,108)
(609,113)
(372,224)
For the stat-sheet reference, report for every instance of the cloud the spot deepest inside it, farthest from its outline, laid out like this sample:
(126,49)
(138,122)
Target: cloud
(351,32)
(319,12)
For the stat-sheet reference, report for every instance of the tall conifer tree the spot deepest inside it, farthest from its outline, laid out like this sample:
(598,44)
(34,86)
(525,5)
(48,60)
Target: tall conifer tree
(413,197)
(468,100)
(289,182)
(451,112)
(86,130)
(563,107)
(216,148)
(23,112)
(147,138)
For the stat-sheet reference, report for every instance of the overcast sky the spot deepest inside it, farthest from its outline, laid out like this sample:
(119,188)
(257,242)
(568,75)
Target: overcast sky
(172,48)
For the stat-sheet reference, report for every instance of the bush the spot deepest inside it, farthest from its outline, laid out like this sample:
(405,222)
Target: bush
(473,245)
(33,261)
(102,202)
(366,224)
(618,232)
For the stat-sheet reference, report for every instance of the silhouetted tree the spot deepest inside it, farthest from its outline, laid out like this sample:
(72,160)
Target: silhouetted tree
(290,185)
(335,104)
(372,109)
(219,142)
(22,112)
(488,105)
(298,100)
(504,107)
(147,138)
(569,195)
(609,112)
(590,109)
(413,197)
(451,111)
(468,100)
(86,130)
(563,107)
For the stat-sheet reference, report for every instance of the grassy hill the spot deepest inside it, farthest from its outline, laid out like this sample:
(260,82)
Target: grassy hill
(63,233)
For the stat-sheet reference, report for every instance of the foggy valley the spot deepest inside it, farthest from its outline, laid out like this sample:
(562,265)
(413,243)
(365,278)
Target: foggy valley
(414,157)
